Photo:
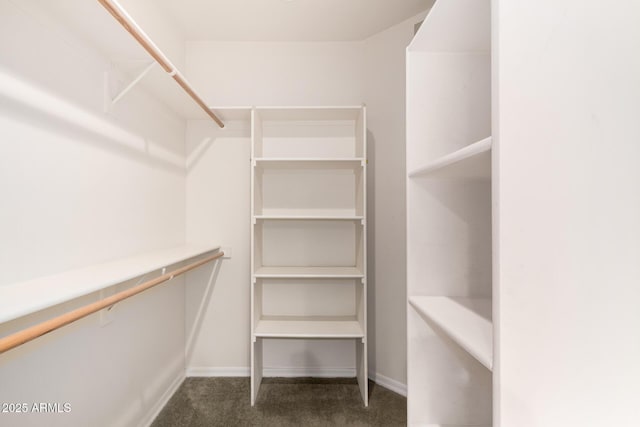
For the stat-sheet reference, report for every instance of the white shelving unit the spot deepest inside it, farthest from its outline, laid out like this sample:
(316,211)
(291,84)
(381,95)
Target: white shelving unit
(449,217)
(308,240)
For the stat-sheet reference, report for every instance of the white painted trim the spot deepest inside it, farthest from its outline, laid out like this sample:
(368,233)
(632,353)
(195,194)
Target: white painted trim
(389,383)
(309,123)
(310,372)
(162,401)
(209,371)
(288,372)
(384,381)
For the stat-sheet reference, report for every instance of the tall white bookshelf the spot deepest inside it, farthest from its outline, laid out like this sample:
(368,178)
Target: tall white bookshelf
(449,217)
(308,222)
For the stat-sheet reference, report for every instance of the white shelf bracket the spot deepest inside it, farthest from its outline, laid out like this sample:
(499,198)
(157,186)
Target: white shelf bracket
(110,102)
(106,314)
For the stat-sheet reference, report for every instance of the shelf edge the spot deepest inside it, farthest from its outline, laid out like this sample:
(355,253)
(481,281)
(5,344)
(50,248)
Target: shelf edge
(16,290)
(467,152)
(485,359)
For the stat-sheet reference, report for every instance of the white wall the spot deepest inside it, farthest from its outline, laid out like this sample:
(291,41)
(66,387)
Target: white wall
(158,23)
(385,99)
(263,73)
(218,211)
(79,187)
(567,144)
(348,73)
(218,183)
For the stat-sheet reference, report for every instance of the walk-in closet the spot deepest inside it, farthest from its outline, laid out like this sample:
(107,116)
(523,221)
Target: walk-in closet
(289,213)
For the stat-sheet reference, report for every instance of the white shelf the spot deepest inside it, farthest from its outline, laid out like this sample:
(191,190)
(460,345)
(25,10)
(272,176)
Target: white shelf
(309,272)
(310,217)
(323,162)
(472,161)
(23,298)
(308,327)
(321,113)
(466,320)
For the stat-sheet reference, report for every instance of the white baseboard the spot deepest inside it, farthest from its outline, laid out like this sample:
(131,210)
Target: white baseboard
(386,382)
(205,371)
(310,372)
(389,383)
(162,401)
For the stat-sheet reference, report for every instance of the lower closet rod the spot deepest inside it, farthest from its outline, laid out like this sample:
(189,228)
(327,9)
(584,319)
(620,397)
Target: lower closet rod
(35,331)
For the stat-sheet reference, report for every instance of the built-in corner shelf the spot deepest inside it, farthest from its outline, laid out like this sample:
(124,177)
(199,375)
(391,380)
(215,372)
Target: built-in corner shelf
(308,327)
(472,161)
(467,321)
(450,217)
(308,273)
(23,298)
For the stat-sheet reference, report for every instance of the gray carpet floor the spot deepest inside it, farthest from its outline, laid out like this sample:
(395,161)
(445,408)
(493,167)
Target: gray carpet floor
(281,402)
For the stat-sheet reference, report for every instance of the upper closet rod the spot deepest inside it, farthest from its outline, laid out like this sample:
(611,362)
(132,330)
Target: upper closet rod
(130,25)
(35,331)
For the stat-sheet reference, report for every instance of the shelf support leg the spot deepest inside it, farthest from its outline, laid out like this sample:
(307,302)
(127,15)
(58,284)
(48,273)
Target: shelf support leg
(256,369)
(361,370)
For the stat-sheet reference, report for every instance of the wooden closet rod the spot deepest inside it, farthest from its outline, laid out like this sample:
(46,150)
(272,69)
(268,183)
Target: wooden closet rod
(35,331)
(130,25)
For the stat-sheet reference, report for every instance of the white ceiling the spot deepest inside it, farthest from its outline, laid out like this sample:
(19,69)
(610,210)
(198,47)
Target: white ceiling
(288,20)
